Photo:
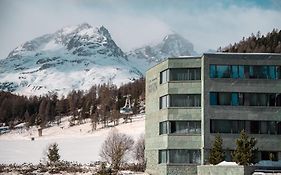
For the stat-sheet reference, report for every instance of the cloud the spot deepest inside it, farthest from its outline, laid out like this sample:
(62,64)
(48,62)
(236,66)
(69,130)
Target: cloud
(132,23)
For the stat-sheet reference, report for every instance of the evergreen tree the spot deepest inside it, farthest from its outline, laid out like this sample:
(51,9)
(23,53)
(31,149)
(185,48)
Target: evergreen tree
(244,154)
(53,153)
(216,153)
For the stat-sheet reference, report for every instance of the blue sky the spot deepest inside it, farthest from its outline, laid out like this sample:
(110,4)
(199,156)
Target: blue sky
(207,24)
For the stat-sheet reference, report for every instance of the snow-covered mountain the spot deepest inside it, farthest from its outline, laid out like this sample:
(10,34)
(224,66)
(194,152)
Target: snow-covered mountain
(74,57)
(77,57)
(172,45)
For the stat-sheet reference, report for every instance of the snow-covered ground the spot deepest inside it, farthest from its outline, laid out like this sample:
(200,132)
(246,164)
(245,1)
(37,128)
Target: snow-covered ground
(78,143)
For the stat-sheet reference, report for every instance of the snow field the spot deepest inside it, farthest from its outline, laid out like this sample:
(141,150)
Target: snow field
(78,143)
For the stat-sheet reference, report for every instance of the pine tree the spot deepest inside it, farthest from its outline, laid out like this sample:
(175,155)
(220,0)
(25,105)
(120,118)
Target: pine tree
(53,153)
(216,153)
(244,154)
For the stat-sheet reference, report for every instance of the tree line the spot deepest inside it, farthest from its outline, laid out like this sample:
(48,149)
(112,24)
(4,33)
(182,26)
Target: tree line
(269,43)
(101,103)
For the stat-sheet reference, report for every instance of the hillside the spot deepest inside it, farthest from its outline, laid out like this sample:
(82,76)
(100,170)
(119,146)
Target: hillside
(270,43)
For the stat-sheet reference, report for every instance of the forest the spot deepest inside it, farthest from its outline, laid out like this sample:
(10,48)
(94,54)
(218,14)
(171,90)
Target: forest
(101,104)
(270,43)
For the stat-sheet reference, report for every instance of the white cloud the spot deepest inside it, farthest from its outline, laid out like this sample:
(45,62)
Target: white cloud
(132,24)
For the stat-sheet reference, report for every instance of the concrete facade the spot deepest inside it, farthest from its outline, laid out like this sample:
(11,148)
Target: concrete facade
(154,115)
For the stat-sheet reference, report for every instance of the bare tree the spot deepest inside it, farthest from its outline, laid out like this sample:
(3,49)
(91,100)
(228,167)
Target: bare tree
(138,151)
(115,147)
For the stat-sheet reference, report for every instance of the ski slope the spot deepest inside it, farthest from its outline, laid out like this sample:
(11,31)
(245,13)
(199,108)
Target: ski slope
(78,143)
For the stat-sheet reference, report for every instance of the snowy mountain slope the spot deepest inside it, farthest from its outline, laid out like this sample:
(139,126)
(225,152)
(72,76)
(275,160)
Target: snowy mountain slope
(74,57)
(78,143)
(77,57)
(172,45)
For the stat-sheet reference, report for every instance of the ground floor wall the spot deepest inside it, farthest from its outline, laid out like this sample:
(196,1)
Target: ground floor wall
(225,170)
(154,168)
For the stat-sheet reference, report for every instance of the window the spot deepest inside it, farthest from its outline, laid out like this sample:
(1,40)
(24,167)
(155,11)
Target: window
(163,156)
(234,72)
(164,102)
(213,71)
(234,99)
(245,99)
(245,71)
(213,98)
(181,74)
(269,155)
(272,72)
(223,71)
(227,126)
(163,127)
(185,127)
(278,126)
(255,127)
(185,100)
(164,76)
(224,98)
(220,126)
(241,72)
(184,156)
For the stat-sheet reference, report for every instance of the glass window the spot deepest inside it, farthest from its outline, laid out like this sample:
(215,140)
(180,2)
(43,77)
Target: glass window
(223,71)
(272,127)
(164,102)
(278,125)
(224,98)
(185,100)
(195,157)
(184,156)
(263,127)
(185,127)
(241,72)
(247,71)
(237,126)
(197,73)
(164,76)
(213,72)
(234,99)
(269,155)
(254,127)
(163,156)
(278,99)
(272,72)
(272,99)
(253,99)
(279,72)
(213,98)
(220,126)
(163,127)
(181,74)
(234,72)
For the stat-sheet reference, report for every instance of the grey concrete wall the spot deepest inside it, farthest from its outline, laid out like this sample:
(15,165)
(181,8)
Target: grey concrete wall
(154,141)
(225,170)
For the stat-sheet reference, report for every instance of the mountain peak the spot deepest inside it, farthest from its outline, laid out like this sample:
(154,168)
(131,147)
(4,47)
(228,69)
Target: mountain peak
(173,37)
(176,45)
(102,30)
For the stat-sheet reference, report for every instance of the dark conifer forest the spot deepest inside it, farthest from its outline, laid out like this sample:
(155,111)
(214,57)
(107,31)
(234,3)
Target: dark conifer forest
(101,103)
(270,43)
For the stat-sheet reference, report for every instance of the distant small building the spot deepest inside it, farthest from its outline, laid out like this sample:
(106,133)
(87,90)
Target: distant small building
(4,129)
(191,99)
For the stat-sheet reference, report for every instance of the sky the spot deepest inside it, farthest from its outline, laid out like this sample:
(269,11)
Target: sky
(208,24)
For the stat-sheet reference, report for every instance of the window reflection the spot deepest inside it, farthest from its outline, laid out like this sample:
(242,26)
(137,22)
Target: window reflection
(245,71)
(245,99)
